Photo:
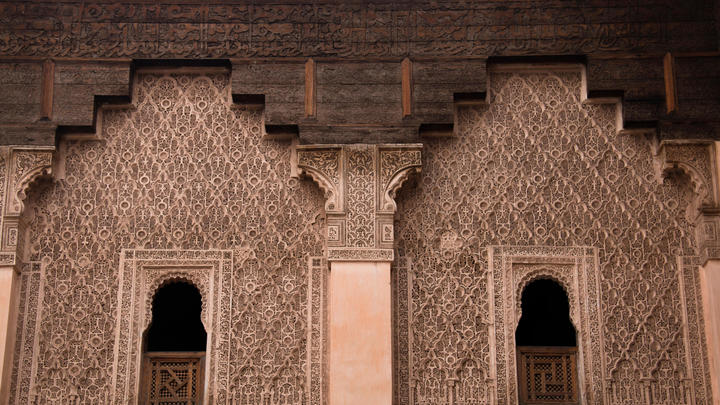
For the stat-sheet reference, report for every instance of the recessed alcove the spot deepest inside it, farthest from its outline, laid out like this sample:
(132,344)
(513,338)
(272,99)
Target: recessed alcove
(545,317)
(176,325)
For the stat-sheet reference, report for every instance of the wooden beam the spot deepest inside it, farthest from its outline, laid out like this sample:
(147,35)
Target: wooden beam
(671,96)
(48,84)
(406,68)
(310,94)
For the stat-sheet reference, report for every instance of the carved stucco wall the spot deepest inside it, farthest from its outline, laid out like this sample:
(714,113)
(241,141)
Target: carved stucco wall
(538,167)
(184,171)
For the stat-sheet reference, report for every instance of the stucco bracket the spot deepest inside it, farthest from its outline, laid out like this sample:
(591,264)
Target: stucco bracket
(360,182)
(698,160)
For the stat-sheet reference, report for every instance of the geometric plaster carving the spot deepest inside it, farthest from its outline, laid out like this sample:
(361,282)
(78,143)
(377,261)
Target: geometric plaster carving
(360,183)
(576,270)
(697,159)
(142,273)
(19,168)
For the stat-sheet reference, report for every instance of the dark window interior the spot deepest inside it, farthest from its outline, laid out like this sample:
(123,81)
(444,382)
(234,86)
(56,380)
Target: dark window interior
(176,325)
(545,317)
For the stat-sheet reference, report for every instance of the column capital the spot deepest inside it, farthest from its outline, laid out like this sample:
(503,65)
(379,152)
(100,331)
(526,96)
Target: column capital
(360,182)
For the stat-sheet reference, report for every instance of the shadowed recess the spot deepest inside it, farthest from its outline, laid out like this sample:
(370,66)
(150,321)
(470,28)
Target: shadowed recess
(545,317)
(176,324)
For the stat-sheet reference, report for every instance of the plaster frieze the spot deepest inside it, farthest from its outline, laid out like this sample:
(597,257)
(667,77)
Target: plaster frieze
(360,183)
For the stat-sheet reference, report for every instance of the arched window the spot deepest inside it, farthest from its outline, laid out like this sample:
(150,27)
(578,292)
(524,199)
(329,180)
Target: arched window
(547,346)
(174,347)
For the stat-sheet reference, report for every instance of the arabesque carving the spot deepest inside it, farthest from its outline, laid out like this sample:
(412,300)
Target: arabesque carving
(538,167)
(182,176)
(360,183)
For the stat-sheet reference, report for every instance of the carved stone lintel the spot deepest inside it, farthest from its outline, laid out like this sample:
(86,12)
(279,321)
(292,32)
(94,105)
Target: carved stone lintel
(360,183)
(361,255)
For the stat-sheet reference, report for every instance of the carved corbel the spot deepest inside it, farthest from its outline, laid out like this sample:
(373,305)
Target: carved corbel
(397,164)
(19,169)
(324,166)
(697,159)
(26,166)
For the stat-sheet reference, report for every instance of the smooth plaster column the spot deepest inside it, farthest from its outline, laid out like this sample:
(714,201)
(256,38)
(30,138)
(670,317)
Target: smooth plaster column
(360,366)
(9,281)
(710,284)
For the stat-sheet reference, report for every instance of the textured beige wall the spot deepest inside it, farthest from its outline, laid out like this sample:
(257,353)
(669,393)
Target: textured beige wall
(360,334)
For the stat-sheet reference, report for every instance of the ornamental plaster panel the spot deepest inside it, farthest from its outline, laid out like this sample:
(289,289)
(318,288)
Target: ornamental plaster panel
(360,184)
(142,272)
(576,270)
(539,167)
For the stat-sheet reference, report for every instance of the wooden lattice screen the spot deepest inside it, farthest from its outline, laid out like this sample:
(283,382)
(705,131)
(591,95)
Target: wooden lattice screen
(547,375)
(173,378)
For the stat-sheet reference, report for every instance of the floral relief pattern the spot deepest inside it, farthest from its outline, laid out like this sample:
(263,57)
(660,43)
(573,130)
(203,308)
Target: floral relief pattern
(184,169)
(537,167)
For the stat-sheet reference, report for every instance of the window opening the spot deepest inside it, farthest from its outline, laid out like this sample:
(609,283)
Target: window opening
(174,347)
(546,343)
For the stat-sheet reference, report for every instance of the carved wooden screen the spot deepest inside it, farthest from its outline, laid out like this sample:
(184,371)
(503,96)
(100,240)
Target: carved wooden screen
(547,375)
(173,378)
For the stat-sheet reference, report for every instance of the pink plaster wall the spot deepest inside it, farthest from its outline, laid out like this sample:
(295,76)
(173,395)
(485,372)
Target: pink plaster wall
(360,334)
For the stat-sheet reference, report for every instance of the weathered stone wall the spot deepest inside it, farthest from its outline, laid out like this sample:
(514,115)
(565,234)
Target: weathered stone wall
(181,172)
(539,168)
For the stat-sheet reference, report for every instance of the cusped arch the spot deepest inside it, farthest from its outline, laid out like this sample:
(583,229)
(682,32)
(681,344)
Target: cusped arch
(172,278)
(547,274)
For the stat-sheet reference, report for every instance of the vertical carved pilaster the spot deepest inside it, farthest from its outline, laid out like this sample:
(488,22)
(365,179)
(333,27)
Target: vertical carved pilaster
(360,183)
(19,167)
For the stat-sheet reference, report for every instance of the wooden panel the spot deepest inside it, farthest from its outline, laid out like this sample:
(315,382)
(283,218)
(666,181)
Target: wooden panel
(77,83)
(48,82)
(173,377)
(406,87)
(20,86)
(310,94)
(671,96)
(547,375)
